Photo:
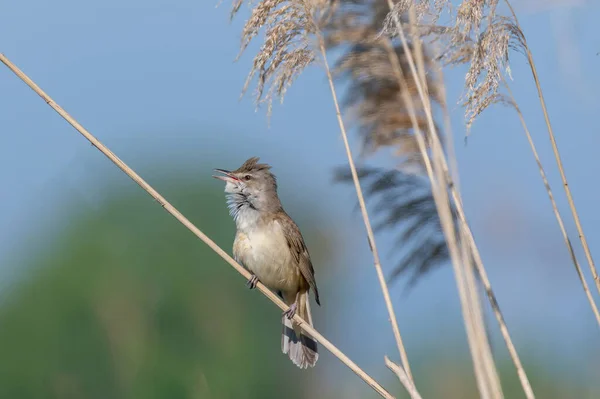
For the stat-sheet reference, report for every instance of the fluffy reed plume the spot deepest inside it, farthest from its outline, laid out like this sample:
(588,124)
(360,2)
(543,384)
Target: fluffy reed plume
(287,49)
(374,98)
(375,103)
(476,36)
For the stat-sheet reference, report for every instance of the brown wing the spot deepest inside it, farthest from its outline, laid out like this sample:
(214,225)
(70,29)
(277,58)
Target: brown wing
(295,243)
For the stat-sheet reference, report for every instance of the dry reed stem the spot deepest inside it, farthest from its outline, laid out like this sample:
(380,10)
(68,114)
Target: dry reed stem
(492,298)
(365,214)
(183,220)
(469,237)
(487,376)
(559,219)
(476,315)
(453,182)
(454,189)
(559,163)
(453,170)
(403,377)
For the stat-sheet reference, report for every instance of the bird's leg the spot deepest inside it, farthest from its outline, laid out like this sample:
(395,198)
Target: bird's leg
(293,307)
(252,282)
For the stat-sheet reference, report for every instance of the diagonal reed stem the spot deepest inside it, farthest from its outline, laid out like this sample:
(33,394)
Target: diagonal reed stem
(563,176)
(190,226)
(559,219)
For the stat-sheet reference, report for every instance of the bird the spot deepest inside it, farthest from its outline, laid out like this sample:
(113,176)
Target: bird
(269,244)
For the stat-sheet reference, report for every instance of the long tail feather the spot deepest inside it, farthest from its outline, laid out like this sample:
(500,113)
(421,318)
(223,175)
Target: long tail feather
(295,342)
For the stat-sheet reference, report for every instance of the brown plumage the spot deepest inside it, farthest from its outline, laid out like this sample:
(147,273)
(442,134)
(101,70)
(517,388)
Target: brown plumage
(269,244)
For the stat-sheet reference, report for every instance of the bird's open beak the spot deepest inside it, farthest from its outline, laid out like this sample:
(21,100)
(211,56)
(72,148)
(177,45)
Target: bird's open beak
(228,176)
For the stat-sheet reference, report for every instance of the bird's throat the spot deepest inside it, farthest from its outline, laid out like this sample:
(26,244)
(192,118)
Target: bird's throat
(241,209)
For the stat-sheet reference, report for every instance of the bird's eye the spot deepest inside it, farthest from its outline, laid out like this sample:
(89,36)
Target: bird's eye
(247,177)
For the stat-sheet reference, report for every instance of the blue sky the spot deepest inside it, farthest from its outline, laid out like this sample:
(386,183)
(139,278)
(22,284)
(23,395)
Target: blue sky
(156,81)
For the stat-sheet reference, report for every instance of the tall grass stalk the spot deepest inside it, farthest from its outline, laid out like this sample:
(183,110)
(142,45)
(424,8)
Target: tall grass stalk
(404,379)
(559,219)
(453,184)
(365,215)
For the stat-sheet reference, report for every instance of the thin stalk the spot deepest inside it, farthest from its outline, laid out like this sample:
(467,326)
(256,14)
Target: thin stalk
(485,280)
(408,102)
(453,170)
(190,226)
(493,301)
(559,219)
(365,214)
(563,176)
(403,377)
(453,183)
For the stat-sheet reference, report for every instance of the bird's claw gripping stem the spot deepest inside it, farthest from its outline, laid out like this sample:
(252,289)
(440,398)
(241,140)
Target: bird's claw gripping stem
(290,312)
(252,282)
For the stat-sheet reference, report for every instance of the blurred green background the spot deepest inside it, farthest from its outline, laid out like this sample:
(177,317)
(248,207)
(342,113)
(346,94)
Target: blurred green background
(121,301)
(125,302)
